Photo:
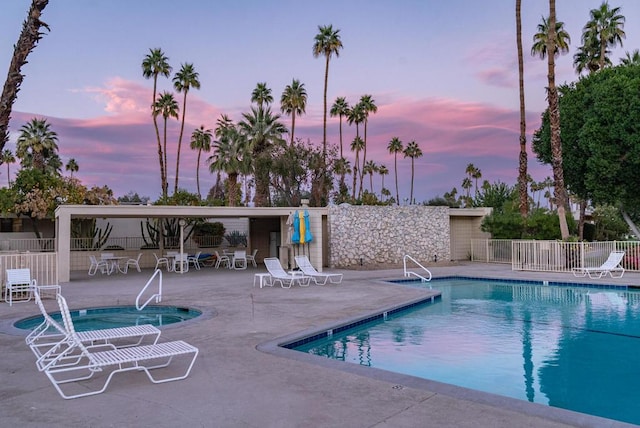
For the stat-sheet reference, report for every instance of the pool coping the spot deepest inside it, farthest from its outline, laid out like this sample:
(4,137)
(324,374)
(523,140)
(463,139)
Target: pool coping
(279,347)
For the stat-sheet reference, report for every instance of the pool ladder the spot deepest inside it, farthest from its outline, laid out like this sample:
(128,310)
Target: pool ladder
(409,273)
(157,296)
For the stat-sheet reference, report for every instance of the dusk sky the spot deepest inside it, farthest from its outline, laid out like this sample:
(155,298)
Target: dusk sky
(441,73)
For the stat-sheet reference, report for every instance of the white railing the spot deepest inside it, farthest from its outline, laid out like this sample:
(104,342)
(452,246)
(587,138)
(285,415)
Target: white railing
(409,273)
(157,296)
(559,256)
(491,250)
(35,244)
(43,266)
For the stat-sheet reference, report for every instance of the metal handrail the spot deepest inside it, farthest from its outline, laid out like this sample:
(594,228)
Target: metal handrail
(157,296)
(408,273)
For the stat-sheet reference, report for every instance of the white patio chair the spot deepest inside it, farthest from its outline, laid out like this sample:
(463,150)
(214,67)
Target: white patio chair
(285,279)
(102,265)
(46,338)
(611,265)
(18,286)
(222,260)
(195,260)
(161,261)
(307,268)
(251,258)
(133,263)
(110,361)
(239,260)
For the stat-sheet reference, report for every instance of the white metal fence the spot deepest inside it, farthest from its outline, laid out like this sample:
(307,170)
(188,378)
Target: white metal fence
(553,256)
(43,266)
(124,243)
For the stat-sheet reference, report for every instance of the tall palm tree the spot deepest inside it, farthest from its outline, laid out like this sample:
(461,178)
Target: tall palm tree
(383,170)
(326,43)
(554,121)
(356,146)
(522,159)
(154,65)
(294,101)
(342,167)
(412,151)
(7,158)
(340,108)
(200,141)
(395,146)
(167,106)
(29,38)
(262,130)
(605,26)
(477,174)
(184,80)
(367,104)
(37,146)
(370,167)
(72,166)
(541,39)
(587,57)
(261,95)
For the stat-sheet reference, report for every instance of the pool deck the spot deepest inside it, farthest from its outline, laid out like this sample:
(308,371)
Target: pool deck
(241,379)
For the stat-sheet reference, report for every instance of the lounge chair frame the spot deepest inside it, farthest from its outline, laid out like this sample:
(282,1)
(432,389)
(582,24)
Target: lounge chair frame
(285,279)
(612,267)
(91,363)
(318,277)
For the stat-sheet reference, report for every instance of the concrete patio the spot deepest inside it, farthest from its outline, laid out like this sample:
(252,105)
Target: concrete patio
(235,383)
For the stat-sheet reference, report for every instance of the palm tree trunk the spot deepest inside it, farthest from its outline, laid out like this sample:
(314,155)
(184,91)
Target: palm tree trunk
(341,137)
(165,184)
(198,174)
(554,120)
(184,112)
(522,167)
(155,125)
(395,167)
(412,173)
(293,125)
(29,37)
(364,159)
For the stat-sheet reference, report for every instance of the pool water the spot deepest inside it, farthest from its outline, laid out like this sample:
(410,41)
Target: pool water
(120,316)
(568,347)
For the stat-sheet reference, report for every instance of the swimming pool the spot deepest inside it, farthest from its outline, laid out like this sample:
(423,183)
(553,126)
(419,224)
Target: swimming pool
(118,316)
(566,347)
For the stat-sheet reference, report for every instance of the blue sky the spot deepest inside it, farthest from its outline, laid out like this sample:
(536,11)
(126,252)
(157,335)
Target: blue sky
(442,73)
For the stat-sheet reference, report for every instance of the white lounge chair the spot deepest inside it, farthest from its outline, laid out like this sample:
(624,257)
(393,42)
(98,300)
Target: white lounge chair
(285,279)
(161,261)
(611,266)
(318,277)
(46,339)
(109,362)
(195,260)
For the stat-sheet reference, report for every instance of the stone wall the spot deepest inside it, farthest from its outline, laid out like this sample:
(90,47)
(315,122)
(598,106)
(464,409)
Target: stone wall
(384,234)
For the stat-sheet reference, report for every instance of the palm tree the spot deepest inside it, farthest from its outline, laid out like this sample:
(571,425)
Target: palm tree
(340,108)
(293,101)
(467,185)
(184,80)
(605,26)
(7,158)
(200,141)
(382,170)
(370,167)
(356,146)
(72,166)
(395,147)
(588,57)
(554,121)
(367,104)
(167,106)
(477,174)
(153,65)
(262,130)
(541,39)
(37,146)
(631,58)
(342,167)
(261,95)
(412,151)
(29,38)
(230,155)
(327,43)
(522,164)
